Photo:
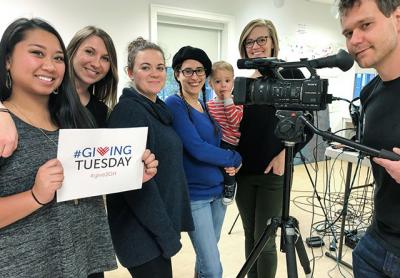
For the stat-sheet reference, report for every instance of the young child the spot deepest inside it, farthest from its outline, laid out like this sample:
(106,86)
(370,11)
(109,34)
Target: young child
(228,115)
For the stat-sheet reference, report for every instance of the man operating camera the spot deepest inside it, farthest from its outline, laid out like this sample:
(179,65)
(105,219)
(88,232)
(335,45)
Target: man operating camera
(371,29)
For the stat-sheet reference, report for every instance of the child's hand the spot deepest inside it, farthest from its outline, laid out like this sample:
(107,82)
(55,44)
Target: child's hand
(227,94)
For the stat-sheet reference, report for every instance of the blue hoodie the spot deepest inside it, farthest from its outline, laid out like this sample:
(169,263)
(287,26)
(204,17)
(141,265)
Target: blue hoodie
(202,157)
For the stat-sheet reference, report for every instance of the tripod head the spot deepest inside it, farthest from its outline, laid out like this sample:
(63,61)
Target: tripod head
(290,127)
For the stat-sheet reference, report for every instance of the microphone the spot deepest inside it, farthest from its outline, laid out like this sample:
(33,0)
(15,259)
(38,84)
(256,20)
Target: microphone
(342,60)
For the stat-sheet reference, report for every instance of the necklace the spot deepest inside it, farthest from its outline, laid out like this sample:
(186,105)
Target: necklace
(30,122)
(76,201)
(193,102)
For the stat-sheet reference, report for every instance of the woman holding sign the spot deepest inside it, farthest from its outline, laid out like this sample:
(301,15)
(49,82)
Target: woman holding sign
(39,237)
(146,224)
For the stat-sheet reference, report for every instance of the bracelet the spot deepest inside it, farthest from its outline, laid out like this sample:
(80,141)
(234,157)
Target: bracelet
(4,110)
(37,201)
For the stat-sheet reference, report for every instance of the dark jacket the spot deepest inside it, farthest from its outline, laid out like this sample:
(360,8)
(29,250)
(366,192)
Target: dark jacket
(146,223)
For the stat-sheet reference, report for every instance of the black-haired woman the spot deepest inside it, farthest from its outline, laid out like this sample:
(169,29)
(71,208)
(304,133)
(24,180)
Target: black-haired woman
(202,158)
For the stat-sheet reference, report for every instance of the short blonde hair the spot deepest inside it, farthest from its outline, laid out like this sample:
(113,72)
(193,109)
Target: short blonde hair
(221,65)
(257,23)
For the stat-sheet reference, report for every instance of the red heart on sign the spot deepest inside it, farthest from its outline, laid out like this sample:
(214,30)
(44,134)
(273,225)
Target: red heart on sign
(102,151)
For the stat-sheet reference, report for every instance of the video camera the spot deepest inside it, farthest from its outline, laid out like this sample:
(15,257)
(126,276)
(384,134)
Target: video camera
(283,85)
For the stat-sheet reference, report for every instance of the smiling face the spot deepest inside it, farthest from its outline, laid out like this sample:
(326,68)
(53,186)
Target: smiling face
(36,64)
(91,62)
(149,72)
(256,50)
(371,37)
(191,85)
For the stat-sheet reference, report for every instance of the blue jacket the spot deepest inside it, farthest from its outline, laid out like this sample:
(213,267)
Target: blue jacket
(202,156)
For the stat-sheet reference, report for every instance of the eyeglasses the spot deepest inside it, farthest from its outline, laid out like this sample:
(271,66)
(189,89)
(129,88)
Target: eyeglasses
(189,72)
(260,41)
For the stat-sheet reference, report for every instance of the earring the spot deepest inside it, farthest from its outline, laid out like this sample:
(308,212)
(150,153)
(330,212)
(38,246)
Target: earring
(8,81)
(93,89)
(55,91)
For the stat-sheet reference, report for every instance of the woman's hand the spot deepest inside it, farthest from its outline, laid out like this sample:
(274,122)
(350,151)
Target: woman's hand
(48,179)
(150,165)
(392,167)
(8,134)
(231,171)
(277,164)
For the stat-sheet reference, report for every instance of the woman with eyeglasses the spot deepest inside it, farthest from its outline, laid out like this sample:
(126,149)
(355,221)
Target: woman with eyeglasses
(202,157)
(260,181)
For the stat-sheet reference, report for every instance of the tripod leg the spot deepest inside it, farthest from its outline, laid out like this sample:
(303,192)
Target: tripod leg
(289,248)
(267,235)
(233,225)
(301,252)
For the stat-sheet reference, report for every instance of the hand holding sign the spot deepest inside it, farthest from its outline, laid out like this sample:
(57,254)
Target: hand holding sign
(150,165)
(48,179)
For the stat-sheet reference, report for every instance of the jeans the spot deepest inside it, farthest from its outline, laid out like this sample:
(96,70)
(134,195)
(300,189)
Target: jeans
(208,217)
(259,198)
(372,260)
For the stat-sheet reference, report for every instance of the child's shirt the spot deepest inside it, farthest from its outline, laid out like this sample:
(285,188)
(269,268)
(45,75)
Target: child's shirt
(228,116)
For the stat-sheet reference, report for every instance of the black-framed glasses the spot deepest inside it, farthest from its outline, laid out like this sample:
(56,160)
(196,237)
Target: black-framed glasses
(260,41)
(189,72)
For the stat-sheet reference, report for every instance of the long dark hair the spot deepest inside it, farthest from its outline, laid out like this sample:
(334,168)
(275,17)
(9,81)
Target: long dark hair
(65,108)
(106,88)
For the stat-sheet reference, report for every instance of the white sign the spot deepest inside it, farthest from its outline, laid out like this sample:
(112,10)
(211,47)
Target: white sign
(100,161)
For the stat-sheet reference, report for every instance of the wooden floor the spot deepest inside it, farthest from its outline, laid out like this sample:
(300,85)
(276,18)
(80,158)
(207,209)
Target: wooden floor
(232,245)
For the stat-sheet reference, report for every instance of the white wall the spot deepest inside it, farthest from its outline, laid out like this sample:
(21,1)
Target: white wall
(297,20)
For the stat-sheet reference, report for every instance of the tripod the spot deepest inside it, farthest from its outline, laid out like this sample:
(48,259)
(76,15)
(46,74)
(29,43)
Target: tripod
(288,127)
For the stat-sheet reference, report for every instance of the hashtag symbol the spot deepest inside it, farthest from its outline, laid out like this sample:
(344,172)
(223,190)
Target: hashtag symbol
(77,154)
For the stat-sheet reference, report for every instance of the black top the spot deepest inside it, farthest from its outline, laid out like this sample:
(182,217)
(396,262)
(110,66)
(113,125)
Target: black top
(258,144)
(99,111)
(146,223)
(380,101)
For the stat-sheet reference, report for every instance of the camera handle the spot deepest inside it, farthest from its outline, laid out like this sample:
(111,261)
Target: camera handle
(365,150)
